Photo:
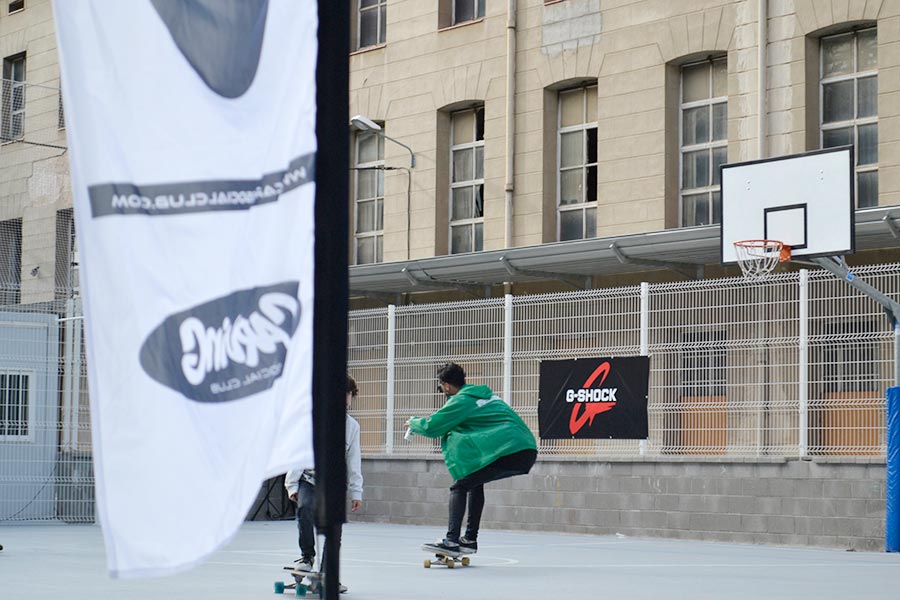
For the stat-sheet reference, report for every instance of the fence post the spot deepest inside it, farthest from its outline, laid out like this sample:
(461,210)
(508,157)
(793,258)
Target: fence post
(803,364)
(645,338)
(389,401)
(507,347)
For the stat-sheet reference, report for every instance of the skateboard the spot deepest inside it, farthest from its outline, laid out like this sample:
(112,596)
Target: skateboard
(445,557)
(314,586)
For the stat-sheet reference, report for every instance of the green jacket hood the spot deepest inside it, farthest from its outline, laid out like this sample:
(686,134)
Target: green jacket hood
(476,391)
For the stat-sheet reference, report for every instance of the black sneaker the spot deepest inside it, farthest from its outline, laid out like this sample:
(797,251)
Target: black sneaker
(467,547)
(342,589)
(304,563)
(444,545)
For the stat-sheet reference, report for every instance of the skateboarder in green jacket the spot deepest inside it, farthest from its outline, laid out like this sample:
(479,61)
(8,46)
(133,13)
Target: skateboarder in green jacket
(483,440)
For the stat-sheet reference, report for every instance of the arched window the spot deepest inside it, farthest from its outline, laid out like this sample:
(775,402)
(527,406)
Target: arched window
(703,140)
(848,88)
(576,163)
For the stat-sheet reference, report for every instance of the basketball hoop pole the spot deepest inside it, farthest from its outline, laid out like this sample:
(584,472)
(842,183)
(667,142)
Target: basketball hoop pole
(839,268)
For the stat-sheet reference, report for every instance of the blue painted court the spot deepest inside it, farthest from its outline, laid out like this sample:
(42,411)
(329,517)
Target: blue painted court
(384,561)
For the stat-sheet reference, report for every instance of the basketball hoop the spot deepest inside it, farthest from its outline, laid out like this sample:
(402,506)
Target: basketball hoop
(759,257)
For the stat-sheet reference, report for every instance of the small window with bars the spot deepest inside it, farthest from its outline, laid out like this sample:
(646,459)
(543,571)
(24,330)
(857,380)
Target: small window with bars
(703,364)
(16,410)
(851,359)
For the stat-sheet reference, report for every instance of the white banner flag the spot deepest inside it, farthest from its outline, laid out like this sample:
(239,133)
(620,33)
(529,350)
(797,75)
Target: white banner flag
(191,129)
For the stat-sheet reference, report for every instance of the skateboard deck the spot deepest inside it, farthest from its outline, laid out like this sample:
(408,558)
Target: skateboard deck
(314,585)
(446,558)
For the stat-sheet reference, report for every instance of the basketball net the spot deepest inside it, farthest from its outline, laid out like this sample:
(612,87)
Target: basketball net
(758,258)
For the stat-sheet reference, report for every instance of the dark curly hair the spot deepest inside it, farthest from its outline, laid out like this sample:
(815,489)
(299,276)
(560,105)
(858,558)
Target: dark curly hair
(453,374)
(351,386)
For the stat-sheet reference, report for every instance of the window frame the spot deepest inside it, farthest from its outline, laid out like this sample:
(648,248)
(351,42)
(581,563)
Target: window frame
(378,167)
(380,7)
(473,222)
(712,188)
(478,11)
(11,261)
(704,369)
(29,420)
(848,365)
(10,87)
(854,122)
(584,126)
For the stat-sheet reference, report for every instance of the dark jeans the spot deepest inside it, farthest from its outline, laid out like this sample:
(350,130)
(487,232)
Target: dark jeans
(470,489)
(306,519)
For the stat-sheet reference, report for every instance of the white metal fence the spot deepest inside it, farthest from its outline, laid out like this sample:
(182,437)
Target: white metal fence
(795,366)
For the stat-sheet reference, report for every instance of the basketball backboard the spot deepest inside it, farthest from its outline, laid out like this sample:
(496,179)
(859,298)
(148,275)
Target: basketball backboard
(805,201)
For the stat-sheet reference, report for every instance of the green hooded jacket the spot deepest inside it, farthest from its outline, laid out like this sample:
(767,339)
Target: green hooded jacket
(476,428)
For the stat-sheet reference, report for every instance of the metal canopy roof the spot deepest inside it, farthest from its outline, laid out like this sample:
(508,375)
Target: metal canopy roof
(685,250)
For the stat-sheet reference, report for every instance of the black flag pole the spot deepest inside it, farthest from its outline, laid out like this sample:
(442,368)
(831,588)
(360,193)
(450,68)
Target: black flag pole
(330,304)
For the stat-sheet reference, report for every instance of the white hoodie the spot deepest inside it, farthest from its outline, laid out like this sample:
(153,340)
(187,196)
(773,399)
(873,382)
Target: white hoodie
(354,465)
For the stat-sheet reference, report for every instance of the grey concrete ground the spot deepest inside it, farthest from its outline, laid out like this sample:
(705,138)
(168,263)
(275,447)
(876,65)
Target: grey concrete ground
(385,561)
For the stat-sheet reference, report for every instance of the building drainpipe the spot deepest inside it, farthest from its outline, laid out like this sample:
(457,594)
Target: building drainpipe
(761,83)
(509,184)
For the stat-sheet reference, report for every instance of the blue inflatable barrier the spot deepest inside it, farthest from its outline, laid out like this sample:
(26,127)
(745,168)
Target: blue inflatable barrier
(892,475)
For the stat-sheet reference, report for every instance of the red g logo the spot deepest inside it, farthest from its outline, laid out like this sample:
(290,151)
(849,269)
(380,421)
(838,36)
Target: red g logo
(595,400)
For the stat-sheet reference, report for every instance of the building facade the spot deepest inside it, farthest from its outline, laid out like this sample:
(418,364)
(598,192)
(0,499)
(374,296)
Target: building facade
(536,123)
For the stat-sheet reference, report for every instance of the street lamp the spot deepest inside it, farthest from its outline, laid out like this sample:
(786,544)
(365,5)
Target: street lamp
(361,123)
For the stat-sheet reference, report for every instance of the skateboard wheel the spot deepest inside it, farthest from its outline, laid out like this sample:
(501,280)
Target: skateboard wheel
(465,561)
(427,564)
(301,590)
(279,587)
(450,564)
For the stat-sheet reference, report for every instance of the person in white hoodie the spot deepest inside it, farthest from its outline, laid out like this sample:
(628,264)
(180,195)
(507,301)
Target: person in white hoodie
(300,485)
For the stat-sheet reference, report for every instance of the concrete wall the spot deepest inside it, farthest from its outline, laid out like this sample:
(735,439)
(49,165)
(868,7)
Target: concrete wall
(835,503)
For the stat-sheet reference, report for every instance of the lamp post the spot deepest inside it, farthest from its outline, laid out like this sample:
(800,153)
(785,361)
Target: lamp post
(361,123)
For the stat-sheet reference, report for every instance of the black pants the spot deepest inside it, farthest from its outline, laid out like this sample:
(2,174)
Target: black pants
(305,522)
(470,489)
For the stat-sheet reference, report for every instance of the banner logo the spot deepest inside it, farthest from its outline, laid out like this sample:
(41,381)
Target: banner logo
(594,398)
(160,199)
(595,401)
(221,39)
(227,348)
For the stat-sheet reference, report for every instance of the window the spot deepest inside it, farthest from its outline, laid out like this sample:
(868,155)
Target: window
(66,272)
(15,405)
(10,261)
(372,22)
(850,360)
(16,6)
(703,362)
(577,164)
(467,181)
(849,104)
(13,126)
(60,114)
(703,140)
(467,10)
(369,201)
